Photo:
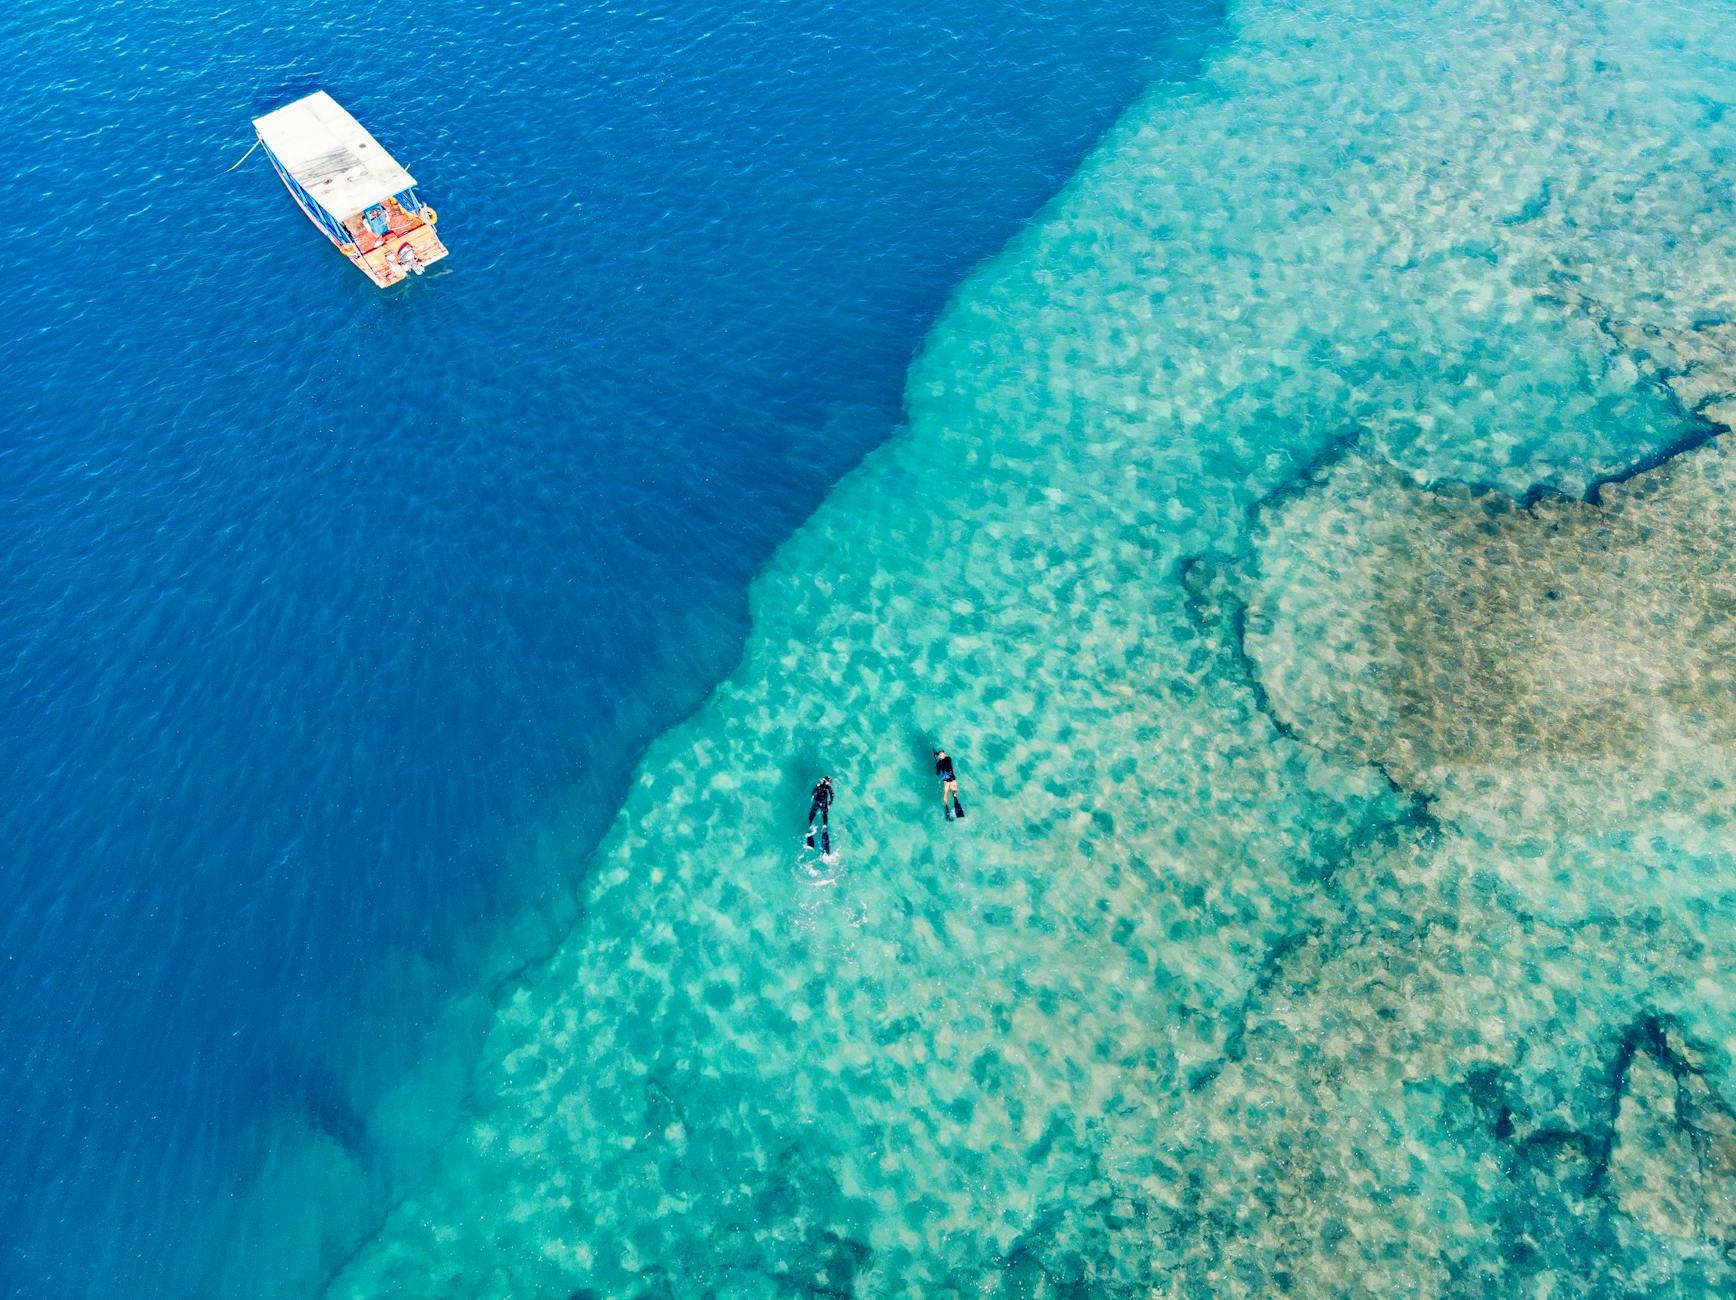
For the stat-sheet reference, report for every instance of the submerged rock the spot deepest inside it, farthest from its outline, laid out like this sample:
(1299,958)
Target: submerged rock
(1565,663)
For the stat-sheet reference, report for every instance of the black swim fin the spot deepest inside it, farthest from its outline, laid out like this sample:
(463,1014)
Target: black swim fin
(957,808)
(825,841)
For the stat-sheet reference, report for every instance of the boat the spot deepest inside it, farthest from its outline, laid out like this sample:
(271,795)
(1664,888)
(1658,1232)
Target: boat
(351,188)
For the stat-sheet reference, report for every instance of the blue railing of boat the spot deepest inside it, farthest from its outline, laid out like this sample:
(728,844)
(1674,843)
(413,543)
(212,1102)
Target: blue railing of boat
(333,228)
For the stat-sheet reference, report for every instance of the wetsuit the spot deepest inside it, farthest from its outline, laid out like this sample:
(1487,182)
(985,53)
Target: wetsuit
(948,780)
(821,806)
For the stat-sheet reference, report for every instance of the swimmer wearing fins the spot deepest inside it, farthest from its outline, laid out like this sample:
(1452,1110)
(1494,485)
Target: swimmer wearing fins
(820,805)
(948,785)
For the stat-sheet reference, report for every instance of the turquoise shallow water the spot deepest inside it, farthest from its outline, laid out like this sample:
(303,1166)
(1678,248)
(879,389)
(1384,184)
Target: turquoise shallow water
(1312,538)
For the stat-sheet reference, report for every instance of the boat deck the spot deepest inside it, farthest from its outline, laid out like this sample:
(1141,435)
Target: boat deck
(377,254)
(401,224)
(380,260)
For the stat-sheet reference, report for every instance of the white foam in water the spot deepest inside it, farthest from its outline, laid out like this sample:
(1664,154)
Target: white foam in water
(1338,910)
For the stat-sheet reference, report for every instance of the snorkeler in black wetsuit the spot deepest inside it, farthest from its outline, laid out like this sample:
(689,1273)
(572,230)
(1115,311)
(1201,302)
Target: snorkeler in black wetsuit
(948,785)
(821,806)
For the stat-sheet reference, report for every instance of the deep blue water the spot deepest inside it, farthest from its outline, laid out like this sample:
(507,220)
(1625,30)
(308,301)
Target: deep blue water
(332,619)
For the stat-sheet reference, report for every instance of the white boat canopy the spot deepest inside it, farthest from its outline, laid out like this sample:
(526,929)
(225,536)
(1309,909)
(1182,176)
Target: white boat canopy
(331,155)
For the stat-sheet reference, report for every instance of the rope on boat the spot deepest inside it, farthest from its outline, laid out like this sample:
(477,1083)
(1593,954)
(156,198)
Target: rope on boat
(244,157)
